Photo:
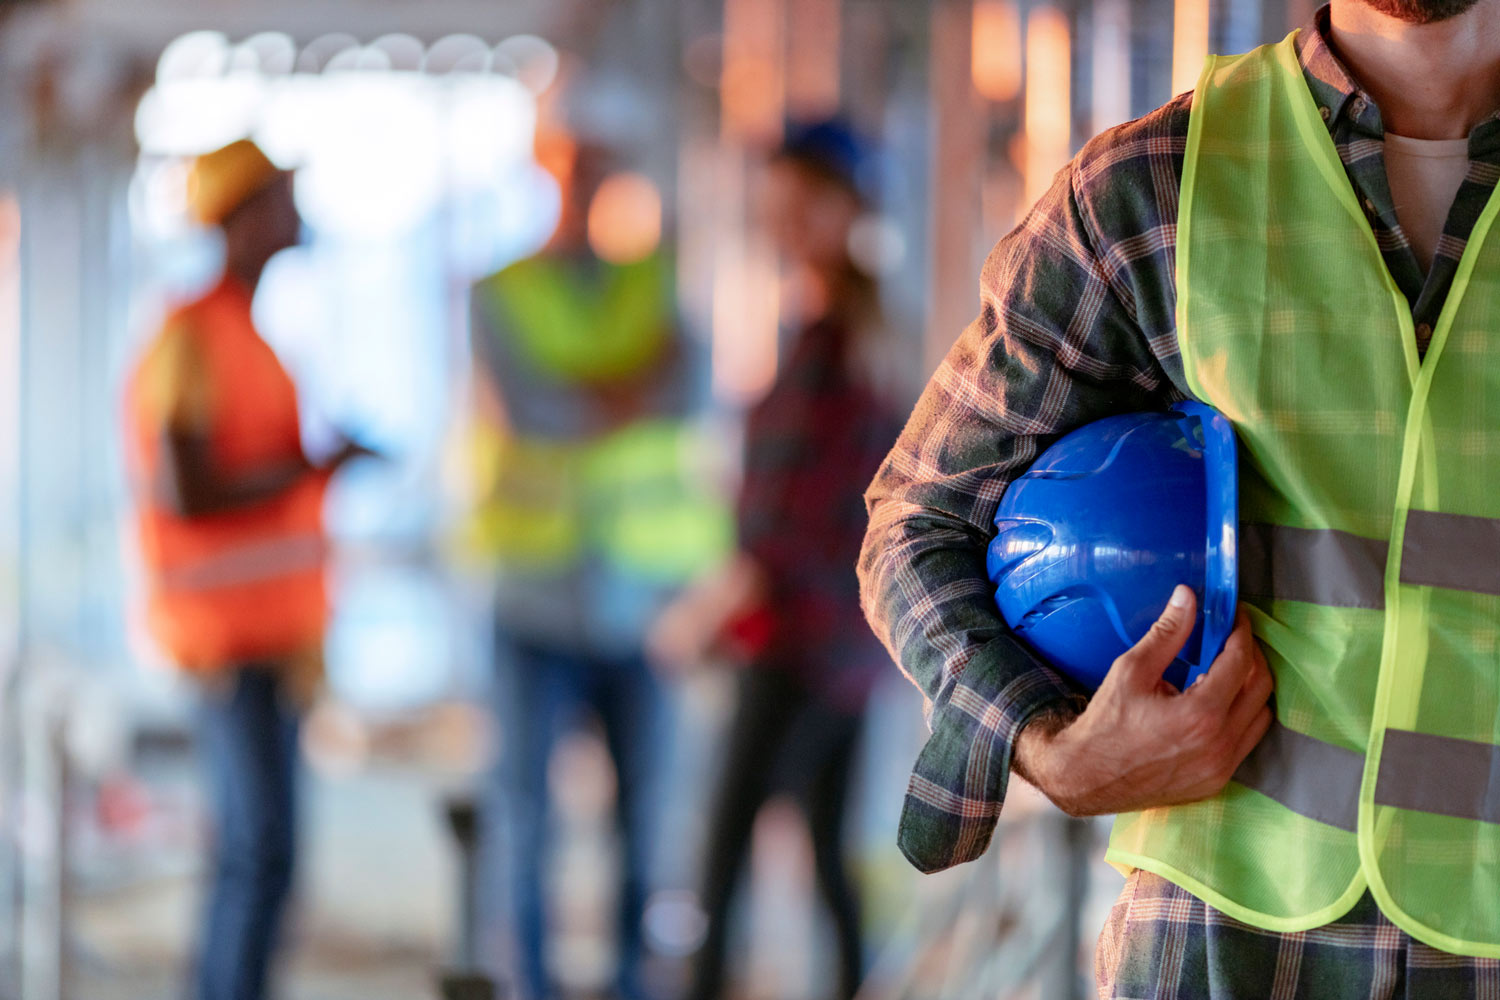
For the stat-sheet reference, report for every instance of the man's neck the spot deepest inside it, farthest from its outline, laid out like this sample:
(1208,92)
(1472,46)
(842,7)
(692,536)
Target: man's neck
(246,270)
(1430,81)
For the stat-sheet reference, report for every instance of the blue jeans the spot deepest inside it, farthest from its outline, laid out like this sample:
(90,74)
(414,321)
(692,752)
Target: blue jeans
(248,743)
(542,692)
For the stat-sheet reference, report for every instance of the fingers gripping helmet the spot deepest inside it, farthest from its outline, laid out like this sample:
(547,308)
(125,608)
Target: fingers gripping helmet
(1092,539)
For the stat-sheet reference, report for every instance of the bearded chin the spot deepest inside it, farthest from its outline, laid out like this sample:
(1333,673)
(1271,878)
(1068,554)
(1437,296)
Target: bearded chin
(1421,11)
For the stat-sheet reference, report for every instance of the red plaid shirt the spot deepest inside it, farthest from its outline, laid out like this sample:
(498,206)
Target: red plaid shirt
(811,446)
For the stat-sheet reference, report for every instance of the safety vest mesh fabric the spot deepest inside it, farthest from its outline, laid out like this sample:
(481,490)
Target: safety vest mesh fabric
(649,507)
(245,584)
(611,328)
(529,514)
(635,496)
(1370,533)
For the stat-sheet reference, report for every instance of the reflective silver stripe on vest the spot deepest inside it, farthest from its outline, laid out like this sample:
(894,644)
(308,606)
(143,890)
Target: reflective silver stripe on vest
(1418,771)
(1451,550)
(247,564)
(1439,774)
(1310,777)
(1320,566)
(1341,570)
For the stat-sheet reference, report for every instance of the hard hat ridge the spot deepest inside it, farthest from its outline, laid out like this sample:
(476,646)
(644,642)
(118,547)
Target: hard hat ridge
(223,180)
(1092,539)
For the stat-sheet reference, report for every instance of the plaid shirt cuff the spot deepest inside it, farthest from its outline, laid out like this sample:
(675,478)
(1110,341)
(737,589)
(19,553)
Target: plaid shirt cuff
(958,785)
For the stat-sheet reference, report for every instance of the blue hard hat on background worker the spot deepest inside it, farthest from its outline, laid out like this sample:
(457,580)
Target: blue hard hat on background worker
(1092,539)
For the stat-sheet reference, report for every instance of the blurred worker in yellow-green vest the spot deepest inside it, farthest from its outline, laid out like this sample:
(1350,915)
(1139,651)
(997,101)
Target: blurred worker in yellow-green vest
(593,511)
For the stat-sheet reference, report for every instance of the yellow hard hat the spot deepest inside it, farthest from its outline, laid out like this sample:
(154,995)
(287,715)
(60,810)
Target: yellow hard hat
(221,181)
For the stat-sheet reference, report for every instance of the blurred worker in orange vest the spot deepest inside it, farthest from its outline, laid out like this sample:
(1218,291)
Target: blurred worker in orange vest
(231,536)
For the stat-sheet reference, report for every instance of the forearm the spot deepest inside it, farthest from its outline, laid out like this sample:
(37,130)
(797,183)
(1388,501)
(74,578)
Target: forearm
(925,593)
(1035,739)
(194,486)
(733,590)
(1055,347)
(1140,743)
(261,484)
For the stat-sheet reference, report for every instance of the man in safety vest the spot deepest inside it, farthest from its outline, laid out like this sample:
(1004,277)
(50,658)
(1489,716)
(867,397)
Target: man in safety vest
(592,510)
(1304,242)
(231,537)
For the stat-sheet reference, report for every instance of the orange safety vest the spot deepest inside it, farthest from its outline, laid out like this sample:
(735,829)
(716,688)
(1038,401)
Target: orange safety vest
(243,584)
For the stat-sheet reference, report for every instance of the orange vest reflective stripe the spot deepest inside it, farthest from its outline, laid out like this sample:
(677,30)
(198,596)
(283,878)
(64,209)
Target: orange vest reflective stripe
(243,584)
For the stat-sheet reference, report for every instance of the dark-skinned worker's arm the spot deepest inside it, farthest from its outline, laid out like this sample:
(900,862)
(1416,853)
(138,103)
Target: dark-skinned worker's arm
(1076,323)
(190,481)
(193,485)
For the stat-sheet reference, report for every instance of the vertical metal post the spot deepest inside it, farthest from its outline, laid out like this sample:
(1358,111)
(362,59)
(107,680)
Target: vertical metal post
(60,895)
(1079,838)
(814,38)
(18,751)
(1110,63)
(746,296)
(1299,12)
(958,137)
(1068,841)
(464,981)
(42,851)
(13,535)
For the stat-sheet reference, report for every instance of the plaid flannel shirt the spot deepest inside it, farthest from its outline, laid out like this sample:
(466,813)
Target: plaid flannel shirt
(1160,941)
(1076,323)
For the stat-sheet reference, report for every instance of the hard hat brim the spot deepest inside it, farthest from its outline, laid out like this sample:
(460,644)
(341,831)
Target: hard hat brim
(1221,581)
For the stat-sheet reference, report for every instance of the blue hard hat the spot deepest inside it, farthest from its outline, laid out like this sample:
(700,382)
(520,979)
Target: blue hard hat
(832,146)
(1092,539)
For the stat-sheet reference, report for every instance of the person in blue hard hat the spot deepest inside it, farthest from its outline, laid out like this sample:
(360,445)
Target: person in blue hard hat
(1303,242)
(787,605)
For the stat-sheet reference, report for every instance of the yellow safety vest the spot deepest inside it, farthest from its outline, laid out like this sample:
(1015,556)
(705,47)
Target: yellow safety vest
(607,329)
(1370,548)
(634,496)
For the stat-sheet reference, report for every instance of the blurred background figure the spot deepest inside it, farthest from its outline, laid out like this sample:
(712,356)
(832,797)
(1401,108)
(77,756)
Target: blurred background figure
(230,531)
(787,604)
(593,511)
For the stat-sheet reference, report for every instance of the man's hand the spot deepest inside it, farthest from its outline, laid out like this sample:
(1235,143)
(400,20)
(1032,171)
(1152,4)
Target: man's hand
(1141,742)
(348,452)
(191,482)
(691,629)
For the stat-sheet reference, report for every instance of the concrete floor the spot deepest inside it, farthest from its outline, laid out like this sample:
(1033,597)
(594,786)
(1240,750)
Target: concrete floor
(373,915)
(370,921)
(373,920)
